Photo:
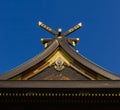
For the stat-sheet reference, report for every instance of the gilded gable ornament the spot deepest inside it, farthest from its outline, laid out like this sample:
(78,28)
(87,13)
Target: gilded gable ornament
(59,64)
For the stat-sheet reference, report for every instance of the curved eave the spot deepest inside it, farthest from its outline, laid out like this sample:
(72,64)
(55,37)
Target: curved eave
(34,61)
(88,64)
(72,53)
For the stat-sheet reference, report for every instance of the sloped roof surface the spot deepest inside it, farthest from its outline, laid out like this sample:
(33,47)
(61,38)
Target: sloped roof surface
(60,41)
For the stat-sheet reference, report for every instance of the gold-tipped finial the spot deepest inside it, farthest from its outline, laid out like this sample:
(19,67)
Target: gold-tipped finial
(49,29)
(46,45)
(73,43)
(42,39)
(59,30)
(59,35)
(80,24)
(77,51)
(76,27)
(39,23)
(77,40)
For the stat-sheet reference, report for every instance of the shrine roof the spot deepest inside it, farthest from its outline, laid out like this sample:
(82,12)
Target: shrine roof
(61,42)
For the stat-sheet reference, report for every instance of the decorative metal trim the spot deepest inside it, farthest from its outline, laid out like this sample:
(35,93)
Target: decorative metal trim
(59,64)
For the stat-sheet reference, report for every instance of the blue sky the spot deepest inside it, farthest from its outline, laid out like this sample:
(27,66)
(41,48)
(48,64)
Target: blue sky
(20,34)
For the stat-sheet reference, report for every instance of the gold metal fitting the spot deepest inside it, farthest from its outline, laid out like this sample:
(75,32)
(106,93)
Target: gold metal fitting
(77,51)
(42,39)
(73,43)
(59,30)
(80,24)
(46,44)
(39,23)
(77,39)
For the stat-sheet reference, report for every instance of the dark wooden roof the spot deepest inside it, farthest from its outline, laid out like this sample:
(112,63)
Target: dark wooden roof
(90,66)
(87,63)
(31,62)
(72,91)
(89,69)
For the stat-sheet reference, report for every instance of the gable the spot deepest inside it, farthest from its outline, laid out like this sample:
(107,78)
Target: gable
(58,66)
(62,60)
(51,73)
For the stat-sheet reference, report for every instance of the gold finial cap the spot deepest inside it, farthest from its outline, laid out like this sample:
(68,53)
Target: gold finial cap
(59,30)
(73,43)
(77,51)
(80,24)
(39,23)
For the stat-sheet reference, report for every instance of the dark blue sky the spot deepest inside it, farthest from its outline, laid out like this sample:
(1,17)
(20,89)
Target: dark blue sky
(99,37)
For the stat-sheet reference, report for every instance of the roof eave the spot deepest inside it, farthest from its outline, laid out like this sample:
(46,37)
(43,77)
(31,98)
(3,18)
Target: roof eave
(87,63)
(59,84)
(30,63)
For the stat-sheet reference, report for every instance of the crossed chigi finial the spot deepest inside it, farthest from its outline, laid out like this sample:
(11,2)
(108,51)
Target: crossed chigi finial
(59,35)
